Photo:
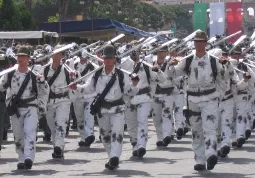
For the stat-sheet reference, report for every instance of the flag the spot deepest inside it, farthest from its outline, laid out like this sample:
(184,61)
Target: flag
(234,19)
(217,19)
(200,16)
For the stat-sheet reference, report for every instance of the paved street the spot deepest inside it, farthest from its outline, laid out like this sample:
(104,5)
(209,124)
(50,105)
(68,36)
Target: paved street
(174,161)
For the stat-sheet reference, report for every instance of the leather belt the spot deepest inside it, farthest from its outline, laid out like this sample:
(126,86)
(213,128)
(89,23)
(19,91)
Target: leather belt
(166,91)
(228,92)
(60,95)
(229,97)
(242,93)
(24,103)
(202,93)
(111,104)
(144,91)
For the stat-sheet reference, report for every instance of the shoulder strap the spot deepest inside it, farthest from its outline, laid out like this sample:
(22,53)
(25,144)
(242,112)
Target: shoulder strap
(9,78)
(23,86)
(108,86)
(55,75)
(163,68)
(34,85)
(96,76)
(88,67)
(46,71)
(214,67)
(75,66)
(187,65)
(68,81)
(147,71)
(121,79)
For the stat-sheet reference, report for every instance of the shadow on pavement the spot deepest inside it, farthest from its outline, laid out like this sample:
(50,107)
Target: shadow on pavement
(43,148)
(63,162)
(33,172)
(116,173)
(148,160)
(90,150)
(237,161)
(206,174)
(7,160)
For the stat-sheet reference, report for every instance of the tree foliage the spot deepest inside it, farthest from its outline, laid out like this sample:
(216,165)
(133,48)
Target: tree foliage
(21,14)
(179,15)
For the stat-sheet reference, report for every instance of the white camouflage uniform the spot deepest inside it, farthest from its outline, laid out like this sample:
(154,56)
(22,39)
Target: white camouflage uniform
(25,127)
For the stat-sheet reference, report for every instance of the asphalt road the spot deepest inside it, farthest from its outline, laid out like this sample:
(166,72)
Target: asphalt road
(172,162)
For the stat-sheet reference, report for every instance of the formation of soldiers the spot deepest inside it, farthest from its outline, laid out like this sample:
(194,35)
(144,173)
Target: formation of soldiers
(204,86)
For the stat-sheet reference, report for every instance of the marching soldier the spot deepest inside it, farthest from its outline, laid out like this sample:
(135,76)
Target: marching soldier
(58,107)
(26,92)
(140,109)
(163,102)
(205,73)
(111,84)
(85,120)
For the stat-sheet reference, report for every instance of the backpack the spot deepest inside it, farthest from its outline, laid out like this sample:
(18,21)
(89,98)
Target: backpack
(213,66)
(46,71)
(33,77)
(120,75)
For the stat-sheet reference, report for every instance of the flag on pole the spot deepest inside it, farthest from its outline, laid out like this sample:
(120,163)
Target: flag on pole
(200,16)
(234,19)
(217,19)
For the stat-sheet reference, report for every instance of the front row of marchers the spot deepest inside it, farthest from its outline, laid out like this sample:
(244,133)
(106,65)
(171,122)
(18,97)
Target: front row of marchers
(212,88)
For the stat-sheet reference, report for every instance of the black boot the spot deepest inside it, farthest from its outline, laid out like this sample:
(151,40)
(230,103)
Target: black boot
(90,139)
(47,137)
(224,151)
(58,153)
(167,140)
(211,162)
(28,164)
(179,133)
(240,142)
(5,134)
(20,166)
(186,130)
(199,167)
(141,152)
(247,134)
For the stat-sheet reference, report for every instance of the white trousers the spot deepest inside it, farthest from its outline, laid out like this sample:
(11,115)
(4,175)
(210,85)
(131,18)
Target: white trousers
(111,131)
(243,106)
(57,118)
(163,116)
(203,124)
(226,114)
(85,121)
(137,123)
(178,111)
(24,131)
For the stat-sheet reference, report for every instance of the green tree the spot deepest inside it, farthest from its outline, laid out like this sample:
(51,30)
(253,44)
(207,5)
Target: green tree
(9,16)
(26,18)
(181,17)
(53,18)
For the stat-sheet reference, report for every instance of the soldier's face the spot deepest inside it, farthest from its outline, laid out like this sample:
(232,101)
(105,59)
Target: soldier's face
(200,45)
(109,61)
(161,55)
(83,60)
(23,60)
(57,57)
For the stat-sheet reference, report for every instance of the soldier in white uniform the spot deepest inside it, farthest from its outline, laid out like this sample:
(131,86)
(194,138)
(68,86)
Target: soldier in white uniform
(205,73)
(163,102)
(58,108)
(140,109)
(109,108)
(24,106)
(85,120)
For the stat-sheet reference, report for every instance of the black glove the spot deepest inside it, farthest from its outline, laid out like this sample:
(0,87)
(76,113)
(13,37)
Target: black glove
(155,69)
